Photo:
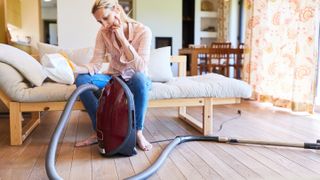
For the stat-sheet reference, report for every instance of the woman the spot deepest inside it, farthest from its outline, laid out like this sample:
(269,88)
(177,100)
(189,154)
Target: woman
(125,43)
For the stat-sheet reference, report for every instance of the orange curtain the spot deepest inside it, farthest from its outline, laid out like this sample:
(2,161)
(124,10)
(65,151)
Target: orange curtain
(281,52)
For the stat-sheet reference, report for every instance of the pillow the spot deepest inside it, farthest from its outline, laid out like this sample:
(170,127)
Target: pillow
(78,56)
(30,68)
(159,68)
(58,68)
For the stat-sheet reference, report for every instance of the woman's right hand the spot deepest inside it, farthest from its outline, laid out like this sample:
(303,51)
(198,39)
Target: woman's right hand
(87,68)
(94,68)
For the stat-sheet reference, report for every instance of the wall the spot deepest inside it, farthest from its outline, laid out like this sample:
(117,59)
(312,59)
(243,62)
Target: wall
(164,19)
(14,12)
(2,22)
(76,26)
(49,13)
(30,19)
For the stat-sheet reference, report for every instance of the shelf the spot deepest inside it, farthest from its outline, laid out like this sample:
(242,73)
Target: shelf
(209,14)
(207,34)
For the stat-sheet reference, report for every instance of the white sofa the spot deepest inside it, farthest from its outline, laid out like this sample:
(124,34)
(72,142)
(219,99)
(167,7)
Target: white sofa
(207,90)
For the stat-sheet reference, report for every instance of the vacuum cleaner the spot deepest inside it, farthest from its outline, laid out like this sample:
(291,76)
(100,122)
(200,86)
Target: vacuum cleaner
(116,130)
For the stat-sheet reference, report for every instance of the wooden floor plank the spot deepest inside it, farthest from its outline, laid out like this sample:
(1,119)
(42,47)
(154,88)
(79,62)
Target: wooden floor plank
(200,165)
(124,167)
(66,148)
(153,154)
(206,157)
(103,167)
(300,159)
(288,168)
(81,164)
(39,168)
(258,153)
(139,162)
(169,168)
(181,162)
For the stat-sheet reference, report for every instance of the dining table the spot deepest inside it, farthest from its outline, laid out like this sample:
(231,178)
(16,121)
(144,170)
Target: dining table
(193,55)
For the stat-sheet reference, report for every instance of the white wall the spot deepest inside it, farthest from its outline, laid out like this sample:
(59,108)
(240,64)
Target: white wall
(164,17)
(49,13)
(30,20)
(77,27)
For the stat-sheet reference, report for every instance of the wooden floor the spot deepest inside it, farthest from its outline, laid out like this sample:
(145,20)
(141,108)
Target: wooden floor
(194,160)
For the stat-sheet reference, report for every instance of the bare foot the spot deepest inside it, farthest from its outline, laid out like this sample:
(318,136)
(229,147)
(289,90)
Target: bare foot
(142,142)
(87,142)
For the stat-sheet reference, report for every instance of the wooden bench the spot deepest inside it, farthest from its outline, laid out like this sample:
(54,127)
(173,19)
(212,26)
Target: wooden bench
(19,133)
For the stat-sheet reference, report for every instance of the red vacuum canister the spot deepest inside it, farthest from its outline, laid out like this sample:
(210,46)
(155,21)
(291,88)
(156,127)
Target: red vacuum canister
(116,129)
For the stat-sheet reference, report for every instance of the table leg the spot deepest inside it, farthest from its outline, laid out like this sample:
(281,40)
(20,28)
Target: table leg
(194,64)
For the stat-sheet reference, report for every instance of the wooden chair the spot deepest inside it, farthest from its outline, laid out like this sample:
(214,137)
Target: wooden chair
(203,62)
(218,60)
(238,61)
(220,45)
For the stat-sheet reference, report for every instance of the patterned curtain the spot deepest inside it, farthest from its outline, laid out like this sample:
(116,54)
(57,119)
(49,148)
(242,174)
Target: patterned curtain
(281,52)
(223,20)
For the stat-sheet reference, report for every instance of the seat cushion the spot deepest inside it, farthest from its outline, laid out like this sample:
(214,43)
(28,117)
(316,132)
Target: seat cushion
(209,85)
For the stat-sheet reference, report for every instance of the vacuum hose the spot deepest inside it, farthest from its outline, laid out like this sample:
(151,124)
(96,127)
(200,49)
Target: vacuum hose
(52,149)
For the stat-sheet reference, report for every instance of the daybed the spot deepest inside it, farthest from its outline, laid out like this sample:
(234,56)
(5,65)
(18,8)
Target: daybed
(182,92)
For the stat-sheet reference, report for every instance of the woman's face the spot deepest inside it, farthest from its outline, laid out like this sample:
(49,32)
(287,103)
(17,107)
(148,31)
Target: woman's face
(108,18)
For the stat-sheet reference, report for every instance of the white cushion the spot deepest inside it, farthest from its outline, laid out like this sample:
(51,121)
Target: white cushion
(30,68)
(57,68)
(78,56)
(208,85)
(159,68)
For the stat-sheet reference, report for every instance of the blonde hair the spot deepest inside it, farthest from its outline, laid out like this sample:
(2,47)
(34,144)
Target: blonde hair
(109,4)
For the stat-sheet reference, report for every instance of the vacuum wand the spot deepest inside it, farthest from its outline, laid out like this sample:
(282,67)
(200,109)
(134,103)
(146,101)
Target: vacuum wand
(270,143)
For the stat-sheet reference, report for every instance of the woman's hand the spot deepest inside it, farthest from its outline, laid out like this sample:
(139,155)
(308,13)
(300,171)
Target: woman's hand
(88,68)
(117,28)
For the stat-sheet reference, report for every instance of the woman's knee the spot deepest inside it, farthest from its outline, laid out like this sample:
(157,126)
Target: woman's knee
(82,79)
(140,80)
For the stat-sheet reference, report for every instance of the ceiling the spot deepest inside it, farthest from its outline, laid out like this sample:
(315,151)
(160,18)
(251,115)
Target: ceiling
(47,4)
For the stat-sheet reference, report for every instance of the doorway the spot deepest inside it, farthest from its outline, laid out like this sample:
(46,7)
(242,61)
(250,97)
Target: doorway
(187,22)
(49,21)
(50,32)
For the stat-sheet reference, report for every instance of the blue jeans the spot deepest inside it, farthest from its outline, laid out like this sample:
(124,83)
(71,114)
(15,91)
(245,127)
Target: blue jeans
(139,85)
